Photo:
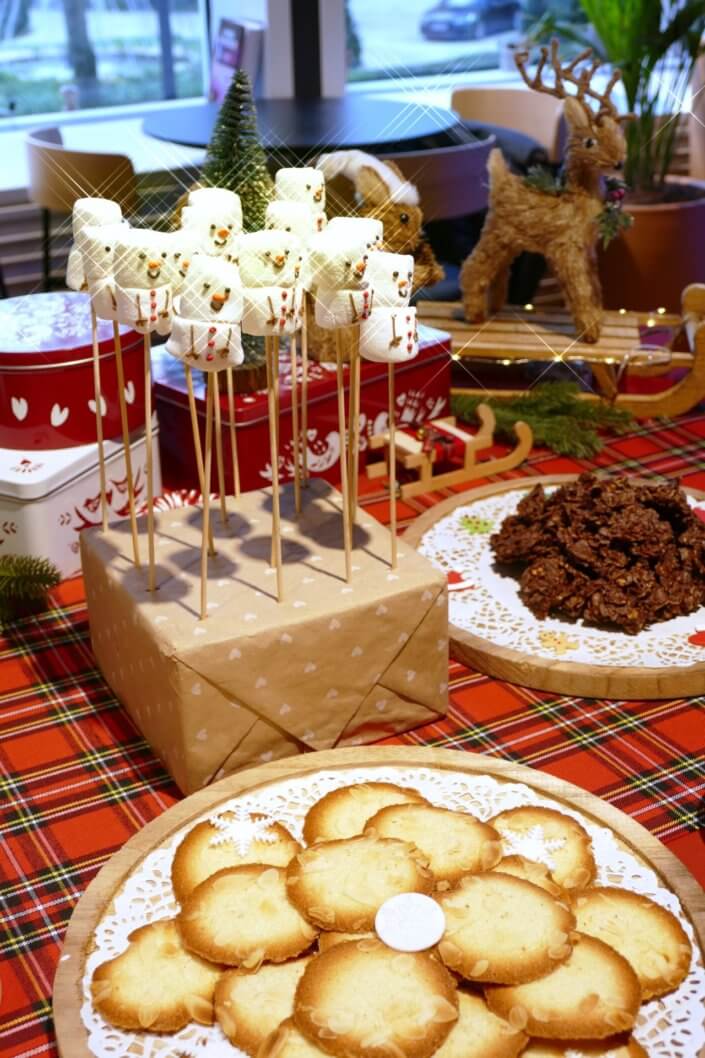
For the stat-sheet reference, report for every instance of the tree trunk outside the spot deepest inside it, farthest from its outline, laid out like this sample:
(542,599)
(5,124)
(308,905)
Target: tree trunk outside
(81,55)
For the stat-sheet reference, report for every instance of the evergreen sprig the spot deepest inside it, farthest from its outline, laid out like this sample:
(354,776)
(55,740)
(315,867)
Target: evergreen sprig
(541,178)
(24,579)
(559,419)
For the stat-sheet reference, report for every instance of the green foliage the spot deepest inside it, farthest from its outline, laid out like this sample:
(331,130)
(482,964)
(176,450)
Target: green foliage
(235,158)
(655,43)
(612,221)
(476,526)
(541,178)
(559,419)
(24,579)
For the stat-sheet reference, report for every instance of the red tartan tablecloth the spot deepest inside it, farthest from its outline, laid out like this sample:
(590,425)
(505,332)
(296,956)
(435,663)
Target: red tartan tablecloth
(78,780)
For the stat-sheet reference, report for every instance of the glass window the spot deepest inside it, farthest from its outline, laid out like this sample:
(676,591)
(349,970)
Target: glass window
(397,38)
(76,54)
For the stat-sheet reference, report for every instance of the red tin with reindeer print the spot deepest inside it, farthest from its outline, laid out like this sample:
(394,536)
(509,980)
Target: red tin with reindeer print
(47,398)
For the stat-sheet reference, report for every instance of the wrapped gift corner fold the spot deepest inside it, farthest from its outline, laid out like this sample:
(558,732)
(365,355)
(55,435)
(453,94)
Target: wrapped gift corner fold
(332,665)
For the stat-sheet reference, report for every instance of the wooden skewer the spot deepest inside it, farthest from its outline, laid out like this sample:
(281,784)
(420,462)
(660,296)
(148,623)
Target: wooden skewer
(126,441)
(354,453)
(99,420)
(343,458)
(304,396)
(296,440)
(392,466)
(210,383)
(233,434)
(272,355)
(152,575)
(219,450)
(197,447)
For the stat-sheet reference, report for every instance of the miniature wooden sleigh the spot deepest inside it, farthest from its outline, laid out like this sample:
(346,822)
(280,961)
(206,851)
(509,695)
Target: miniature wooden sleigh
(441,443)
(519,335)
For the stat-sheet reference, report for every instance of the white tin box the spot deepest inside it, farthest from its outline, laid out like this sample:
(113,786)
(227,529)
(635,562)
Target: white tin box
(48,496)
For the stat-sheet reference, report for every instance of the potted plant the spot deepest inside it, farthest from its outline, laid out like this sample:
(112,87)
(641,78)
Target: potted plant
(656,45)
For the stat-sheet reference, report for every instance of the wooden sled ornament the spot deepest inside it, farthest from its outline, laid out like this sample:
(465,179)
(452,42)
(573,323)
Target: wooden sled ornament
(415,453)
(518,335)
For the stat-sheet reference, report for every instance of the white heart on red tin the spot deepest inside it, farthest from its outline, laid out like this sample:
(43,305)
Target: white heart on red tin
(130,392)
(20,407)
(58,415)
(103,405)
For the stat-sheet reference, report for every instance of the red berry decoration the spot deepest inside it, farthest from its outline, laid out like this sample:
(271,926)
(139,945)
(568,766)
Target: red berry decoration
(697,639)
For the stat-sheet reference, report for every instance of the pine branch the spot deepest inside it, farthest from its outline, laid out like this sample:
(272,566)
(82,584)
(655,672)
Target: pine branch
(24,577)
(559,419)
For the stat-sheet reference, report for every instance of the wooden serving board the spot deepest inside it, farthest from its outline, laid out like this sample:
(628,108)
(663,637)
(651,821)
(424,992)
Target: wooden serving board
(67,998)
(549,674)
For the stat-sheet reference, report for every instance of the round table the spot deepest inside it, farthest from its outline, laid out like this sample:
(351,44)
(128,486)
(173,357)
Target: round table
(297,127)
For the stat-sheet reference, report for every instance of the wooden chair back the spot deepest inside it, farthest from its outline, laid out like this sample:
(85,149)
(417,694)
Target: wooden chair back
(58,176)
(536,115)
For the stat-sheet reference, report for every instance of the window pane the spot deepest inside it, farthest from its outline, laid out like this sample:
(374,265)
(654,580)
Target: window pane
(395,38)
(74,54)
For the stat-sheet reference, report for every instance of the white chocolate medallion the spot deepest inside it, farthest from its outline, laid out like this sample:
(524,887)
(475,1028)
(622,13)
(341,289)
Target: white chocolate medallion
(410,922)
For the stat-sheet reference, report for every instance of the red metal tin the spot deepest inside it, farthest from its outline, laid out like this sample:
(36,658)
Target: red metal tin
(46,373)
(422,392)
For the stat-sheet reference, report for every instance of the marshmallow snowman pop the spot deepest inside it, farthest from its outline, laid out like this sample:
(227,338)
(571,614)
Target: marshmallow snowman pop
(299,206)
(206,334)
(90,214)
(389,336)
(143,295)
(342,297)
(270,263)
(372,231)
(214,216)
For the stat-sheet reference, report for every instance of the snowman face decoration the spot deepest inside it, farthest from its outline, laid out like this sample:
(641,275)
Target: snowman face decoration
(338,259)
(141,259)
(391,275)
(269,258)
(216,230)
(212,291)
(301,184)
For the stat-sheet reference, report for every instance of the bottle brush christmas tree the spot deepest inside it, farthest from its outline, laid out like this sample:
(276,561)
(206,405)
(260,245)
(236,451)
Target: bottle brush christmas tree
(235,159)
(24,582)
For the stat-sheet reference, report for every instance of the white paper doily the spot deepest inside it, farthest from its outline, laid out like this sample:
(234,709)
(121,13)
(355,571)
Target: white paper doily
(671,1027)
(486,603)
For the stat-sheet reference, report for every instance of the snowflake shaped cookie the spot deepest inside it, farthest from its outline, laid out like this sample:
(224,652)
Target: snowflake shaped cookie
(532,844)
(240,828)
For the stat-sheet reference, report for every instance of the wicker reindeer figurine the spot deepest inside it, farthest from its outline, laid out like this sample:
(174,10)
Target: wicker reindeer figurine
(560,223)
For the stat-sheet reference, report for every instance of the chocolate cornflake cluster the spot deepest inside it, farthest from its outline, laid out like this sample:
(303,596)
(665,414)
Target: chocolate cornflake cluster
(617,554)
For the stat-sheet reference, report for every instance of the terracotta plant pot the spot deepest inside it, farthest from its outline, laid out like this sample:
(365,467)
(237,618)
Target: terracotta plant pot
(651,263)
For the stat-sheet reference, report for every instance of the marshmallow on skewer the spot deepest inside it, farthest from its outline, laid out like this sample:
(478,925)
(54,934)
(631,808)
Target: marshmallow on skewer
(212,291)
(270,258)
(341,308)
(181,246)
(217,231)
(205,331)
(271,311)
(294,217)
(142,288)
(391,276)
(338,261)
(301,184)
(220,203)
(93,212)
(389,336)
(371,229)
(98,260)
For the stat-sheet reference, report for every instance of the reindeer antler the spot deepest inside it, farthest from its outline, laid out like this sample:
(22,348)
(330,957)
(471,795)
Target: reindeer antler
(566,75)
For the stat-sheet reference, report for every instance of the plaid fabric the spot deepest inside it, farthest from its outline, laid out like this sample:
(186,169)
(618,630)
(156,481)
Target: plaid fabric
(77,780)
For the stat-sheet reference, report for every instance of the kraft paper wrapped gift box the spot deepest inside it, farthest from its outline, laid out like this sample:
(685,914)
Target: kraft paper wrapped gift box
(332,665)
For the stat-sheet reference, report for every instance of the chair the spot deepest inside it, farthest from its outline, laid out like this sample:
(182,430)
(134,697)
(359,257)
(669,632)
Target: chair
(451,181)
(536,115)
(58,176)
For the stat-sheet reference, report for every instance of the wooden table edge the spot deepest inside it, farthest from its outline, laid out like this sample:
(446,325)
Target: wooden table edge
(67,997)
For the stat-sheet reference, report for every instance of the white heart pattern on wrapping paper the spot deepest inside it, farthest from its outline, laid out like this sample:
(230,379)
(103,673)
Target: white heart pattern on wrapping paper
(130,392)
(103,405)
(58,415)
(20,407)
